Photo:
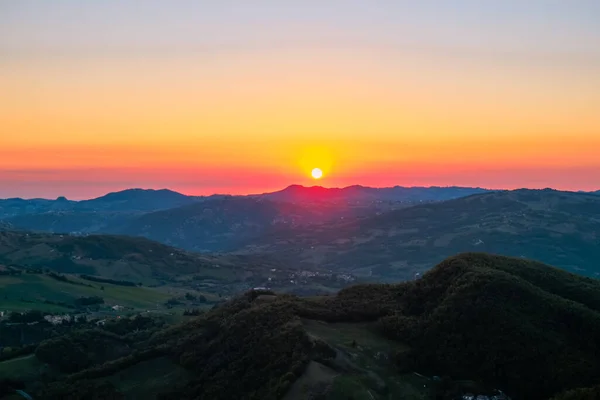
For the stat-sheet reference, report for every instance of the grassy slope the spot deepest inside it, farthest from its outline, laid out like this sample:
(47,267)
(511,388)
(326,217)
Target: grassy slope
(136,260)
(369,371)
(316,377)
(28,291)
(20,368)
(118,257)
(146,379)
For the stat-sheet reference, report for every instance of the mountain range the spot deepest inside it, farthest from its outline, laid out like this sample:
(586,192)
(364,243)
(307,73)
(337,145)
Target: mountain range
(144,200)
(211,223)
(361,194)
(372,239)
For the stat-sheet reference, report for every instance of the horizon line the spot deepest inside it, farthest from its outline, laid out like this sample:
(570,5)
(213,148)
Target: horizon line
(297,185)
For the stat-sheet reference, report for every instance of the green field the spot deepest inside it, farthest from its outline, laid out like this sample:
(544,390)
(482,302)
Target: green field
(30,291)
(342,334)
(24,368)
(366,359)
(146,379)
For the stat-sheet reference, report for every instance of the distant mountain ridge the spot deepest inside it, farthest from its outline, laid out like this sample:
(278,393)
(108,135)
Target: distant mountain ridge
(558,228)
(299,193)
(138,199)
(146,200)
(126,200)
(131,211)
(348,230)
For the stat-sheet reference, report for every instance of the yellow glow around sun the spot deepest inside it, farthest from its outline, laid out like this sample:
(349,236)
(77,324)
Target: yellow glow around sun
(311,156)
(317,173)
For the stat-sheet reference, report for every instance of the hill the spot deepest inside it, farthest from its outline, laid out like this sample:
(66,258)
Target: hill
(137,200)
(514,324)
(118,257)
(228,223)
(17,206)
(479,322)
(559,228)
(103,214)
(126,200)
(135,260)
(219,224)
(69,221)
(60,293)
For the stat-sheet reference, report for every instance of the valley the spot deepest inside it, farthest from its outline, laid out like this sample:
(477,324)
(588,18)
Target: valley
(303,247)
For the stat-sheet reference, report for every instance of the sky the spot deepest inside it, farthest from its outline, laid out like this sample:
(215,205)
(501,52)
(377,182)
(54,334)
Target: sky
(248,96)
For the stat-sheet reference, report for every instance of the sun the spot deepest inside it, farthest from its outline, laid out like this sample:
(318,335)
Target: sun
(317,173)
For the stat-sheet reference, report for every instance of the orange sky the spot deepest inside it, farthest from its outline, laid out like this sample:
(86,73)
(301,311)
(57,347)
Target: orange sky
(255,118)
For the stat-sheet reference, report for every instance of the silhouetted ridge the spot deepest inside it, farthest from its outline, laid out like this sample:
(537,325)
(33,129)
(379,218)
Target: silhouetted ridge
(516,324)
(521,326)
(358,193)
(138,199)
(137,192)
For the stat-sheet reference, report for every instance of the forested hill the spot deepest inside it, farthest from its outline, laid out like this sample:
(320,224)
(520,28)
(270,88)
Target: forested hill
(480,322)
(121,257)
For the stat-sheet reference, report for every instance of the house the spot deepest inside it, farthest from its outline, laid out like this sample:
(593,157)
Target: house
(57,319)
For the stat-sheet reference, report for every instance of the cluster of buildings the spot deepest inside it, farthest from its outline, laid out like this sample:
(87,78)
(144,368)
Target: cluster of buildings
(58,319)
(304,275)
(499,396)
(67,318)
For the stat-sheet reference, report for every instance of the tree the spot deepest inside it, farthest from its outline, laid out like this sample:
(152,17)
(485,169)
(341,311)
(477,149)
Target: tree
(27,317)
(190,297)
(89,301)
